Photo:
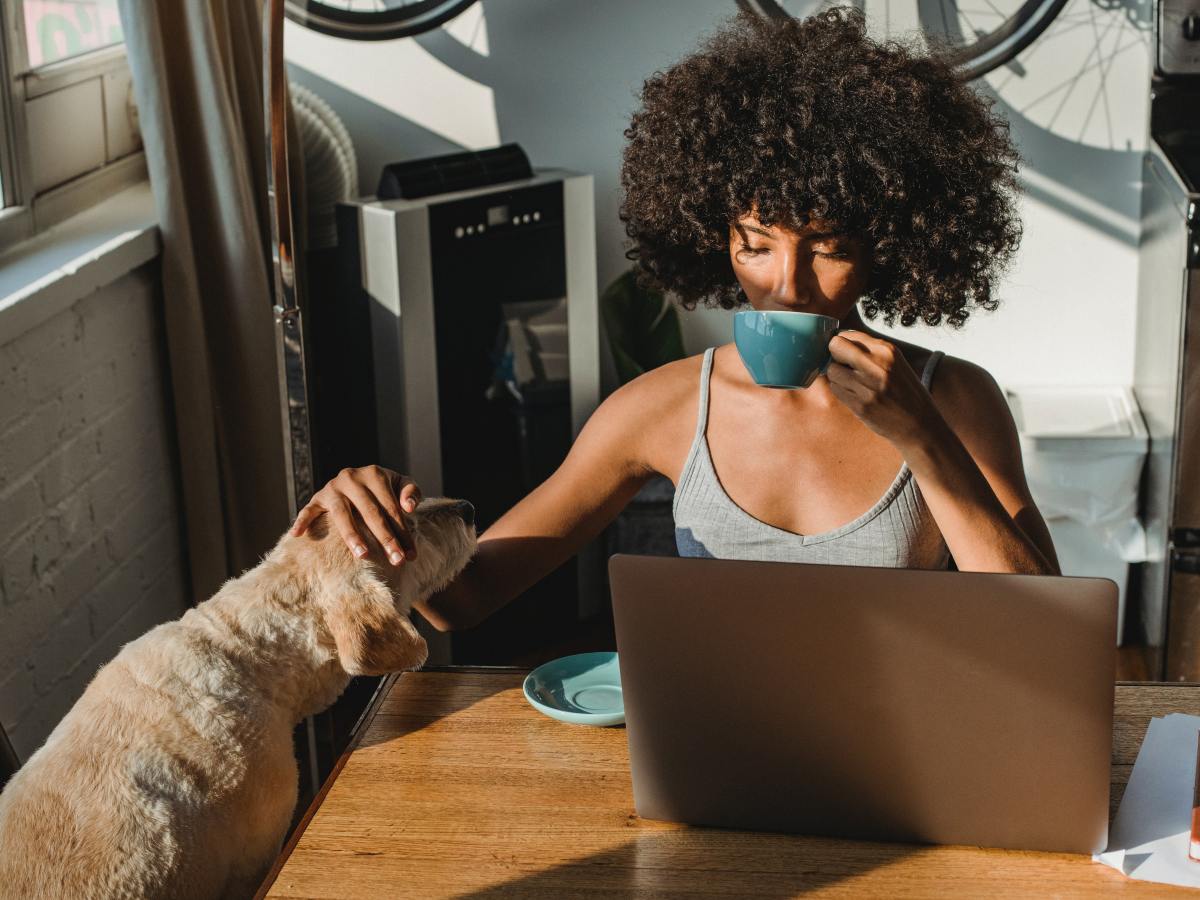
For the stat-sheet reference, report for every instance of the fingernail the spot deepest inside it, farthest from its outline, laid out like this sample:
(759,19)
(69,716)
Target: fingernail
(395,558)
(360,551)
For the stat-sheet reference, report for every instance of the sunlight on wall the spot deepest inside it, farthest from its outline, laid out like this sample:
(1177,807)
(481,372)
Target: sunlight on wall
(1086,78)
(469,28)
(403,79)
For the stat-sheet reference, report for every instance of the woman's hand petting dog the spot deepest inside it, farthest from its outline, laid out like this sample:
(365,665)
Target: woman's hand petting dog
(381,497)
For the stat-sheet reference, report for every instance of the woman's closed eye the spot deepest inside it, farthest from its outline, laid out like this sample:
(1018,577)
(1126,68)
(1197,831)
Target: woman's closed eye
(833,248)
(829,253)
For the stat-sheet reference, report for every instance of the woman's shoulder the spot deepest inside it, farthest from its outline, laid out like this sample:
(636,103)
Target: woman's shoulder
(958,380)
(952,377)
(970,399)
(663,387)
(655,411)
(965,393)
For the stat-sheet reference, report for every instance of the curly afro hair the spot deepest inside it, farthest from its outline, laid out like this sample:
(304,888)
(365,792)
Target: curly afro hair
(810,119)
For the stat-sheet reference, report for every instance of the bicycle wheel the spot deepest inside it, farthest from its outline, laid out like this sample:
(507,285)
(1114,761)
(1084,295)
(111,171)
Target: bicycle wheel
(975,36)
(373,20)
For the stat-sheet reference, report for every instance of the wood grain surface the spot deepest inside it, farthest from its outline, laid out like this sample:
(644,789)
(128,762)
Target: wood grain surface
(457,788)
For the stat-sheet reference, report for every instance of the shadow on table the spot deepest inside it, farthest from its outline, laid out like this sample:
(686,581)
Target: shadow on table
(430,696)
(696,862)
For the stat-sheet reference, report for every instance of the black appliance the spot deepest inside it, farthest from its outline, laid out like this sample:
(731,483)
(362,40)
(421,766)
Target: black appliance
(445,299)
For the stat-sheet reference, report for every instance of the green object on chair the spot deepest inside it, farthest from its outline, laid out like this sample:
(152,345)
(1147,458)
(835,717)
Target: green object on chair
(642,326)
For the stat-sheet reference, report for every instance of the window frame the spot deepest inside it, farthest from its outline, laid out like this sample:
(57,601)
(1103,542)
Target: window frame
(25,211)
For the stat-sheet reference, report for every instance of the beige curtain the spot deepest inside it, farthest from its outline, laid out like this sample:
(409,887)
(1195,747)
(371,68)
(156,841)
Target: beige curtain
(197,70)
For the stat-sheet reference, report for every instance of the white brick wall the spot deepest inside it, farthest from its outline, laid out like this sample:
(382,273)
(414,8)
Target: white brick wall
(90,528)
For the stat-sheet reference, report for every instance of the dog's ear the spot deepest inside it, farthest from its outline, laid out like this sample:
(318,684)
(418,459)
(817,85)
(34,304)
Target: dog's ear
(372,636)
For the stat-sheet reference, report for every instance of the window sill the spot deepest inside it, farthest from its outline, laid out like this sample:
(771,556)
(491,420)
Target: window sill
(48,273)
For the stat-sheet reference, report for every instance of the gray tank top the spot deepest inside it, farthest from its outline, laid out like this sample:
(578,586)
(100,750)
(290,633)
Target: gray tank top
(898,531)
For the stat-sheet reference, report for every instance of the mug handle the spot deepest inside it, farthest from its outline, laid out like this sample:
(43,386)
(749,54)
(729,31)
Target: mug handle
(828,358)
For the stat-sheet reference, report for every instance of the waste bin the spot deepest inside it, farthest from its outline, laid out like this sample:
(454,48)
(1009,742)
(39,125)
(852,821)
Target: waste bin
(1083,450)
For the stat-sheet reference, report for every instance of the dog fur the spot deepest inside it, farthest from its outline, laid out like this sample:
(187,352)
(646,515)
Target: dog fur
(174,775)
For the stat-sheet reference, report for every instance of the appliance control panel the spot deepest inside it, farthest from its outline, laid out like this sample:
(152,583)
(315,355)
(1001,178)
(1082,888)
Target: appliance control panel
(1179,37)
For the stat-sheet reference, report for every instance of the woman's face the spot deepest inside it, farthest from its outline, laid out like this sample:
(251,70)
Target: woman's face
(816,269)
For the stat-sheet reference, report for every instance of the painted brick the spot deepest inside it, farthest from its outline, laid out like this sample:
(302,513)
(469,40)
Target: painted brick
(53,355)
(75,525)
(123,431)
(46,541)
(137,363)
(93,390)
(27,442)
(90,533)
(36,615)
(20,505)
(66,644)
(125,317)
(133,525)
(14,397)
(118,484)
(70,464)
(161,553)
(119,591)
(170,594)
(16,696)
(18,569)
(77,576)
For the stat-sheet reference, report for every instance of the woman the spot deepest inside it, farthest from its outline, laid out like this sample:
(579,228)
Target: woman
(801,167)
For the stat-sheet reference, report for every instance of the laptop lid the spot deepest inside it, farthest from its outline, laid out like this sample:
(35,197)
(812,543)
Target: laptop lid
(889,704)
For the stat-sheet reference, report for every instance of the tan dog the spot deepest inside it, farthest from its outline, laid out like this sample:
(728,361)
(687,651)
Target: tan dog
(174,776)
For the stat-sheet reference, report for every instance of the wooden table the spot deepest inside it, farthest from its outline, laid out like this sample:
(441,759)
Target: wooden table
(457,788)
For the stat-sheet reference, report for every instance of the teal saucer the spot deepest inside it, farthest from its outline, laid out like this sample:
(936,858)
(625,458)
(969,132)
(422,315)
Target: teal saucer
(584,689)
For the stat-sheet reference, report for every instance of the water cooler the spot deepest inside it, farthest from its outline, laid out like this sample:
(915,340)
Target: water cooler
(463,350)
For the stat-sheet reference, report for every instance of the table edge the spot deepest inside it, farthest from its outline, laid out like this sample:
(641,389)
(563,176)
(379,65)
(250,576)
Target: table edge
(360,728)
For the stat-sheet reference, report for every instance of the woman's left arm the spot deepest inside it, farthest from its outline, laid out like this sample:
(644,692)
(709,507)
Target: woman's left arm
(963,450)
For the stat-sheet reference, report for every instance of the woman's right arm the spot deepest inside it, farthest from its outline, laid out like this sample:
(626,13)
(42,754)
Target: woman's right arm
(606,466)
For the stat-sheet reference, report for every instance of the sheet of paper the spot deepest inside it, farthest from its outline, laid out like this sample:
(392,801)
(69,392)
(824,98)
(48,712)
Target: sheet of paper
(1149,835)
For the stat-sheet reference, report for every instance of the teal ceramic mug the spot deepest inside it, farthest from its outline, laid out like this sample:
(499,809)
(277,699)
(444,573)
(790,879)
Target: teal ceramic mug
(781,348)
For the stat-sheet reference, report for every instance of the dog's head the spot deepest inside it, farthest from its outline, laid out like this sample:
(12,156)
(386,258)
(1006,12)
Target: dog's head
(366,602)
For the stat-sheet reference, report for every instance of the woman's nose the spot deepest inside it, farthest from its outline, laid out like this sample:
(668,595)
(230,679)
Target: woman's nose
(789,294)
(789,286)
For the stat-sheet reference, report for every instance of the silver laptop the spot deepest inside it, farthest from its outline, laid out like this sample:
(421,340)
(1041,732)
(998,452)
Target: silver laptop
(886,704)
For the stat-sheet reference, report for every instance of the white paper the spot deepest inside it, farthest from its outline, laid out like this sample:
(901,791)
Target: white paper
(1149,835)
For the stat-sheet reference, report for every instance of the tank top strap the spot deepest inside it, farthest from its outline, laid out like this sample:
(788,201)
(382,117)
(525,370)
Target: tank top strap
(931,364)
(705,377)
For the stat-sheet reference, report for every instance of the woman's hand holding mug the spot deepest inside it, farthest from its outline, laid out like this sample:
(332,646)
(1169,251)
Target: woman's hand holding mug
(871,377)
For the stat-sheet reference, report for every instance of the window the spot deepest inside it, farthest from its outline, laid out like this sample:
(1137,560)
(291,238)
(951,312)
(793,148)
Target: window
(68,129)
(59,29)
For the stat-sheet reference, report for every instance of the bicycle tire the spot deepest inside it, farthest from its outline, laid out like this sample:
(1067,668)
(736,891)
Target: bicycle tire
(972,60)
(404,21)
